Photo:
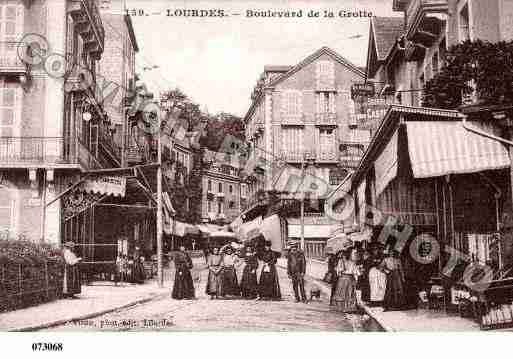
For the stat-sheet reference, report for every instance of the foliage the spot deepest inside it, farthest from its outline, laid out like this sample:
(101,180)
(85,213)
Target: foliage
(220,126)
(31,273)
(489,66)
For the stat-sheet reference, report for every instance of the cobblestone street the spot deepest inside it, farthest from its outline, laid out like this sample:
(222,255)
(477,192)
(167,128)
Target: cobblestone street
(235,315)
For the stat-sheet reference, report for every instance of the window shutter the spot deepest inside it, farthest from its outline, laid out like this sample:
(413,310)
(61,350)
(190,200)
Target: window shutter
(298,103)
(332,98)
(8,111)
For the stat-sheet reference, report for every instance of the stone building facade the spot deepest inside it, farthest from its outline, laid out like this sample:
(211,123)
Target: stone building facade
(52,125)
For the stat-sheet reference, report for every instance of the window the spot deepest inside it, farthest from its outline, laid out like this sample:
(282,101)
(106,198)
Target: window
(231,189)
(292,140)
(6,209)
(464,23)
(326,102)
(291,103)
(8,111)
(435,63)
(209,185)
(232,205)
(209,206)
(11,29)
(326,140)
(219,207)
(325,73)
(220,187)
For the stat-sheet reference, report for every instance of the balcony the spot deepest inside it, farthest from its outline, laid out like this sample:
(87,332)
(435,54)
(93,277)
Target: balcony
(292,120)
(293,157)
(351,154)
(87,17)
(327,156)
(21,152)
(10,61)
(134,155)
(326,119)
(426,20)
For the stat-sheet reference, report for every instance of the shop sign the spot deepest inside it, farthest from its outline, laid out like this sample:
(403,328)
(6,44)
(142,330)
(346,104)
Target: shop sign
(108,185)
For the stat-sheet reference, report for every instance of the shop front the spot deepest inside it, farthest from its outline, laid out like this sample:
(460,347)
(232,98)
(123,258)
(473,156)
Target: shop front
(110,215)
(435,191)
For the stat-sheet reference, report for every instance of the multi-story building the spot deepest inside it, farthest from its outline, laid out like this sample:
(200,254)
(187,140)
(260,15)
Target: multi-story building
(117,66)
(302,117)
(52,128)
(223,192)
(426,171)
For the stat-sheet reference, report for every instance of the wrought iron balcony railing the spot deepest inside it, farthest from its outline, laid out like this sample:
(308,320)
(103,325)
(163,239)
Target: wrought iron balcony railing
(326,119)
(22,151)
(87,17)
(10,60)
(424,19)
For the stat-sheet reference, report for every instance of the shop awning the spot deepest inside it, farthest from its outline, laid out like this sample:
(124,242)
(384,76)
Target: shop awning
(438,148)
(180,229)
(251,229)
(386,165)
(311,230)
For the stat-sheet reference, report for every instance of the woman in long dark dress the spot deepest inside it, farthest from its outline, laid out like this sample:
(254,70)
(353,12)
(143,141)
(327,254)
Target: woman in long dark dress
(138,275)
(394,293)
(249,285)
(183,287)
(331,275)
(230,284)
(214,282)
(269,286)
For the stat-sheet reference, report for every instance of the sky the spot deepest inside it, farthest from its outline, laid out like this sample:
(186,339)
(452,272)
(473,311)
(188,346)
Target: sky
(217,60)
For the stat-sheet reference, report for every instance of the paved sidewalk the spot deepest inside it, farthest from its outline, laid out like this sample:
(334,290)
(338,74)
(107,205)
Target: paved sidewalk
(394,321)
(94,300)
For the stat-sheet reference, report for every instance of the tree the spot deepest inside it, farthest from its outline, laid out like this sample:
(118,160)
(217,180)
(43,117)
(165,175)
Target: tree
(484,67)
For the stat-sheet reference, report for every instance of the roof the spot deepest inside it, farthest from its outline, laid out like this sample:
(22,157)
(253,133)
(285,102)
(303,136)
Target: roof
(386,32)
(293,69)
(322,51)
(277,68)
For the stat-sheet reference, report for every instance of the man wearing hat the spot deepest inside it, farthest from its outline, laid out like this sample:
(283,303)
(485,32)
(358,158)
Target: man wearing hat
(71,285)
(296,268)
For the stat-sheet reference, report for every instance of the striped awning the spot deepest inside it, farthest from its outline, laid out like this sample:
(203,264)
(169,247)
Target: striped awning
(438,148)
(386,165)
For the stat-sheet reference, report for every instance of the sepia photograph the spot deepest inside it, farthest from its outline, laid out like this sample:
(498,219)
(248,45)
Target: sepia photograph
(267,166)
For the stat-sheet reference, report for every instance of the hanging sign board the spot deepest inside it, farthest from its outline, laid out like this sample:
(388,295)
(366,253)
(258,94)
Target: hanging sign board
(109,185)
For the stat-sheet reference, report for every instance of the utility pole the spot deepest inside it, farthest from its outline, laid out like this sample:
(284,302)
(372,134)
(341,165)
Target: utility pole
(160,268)
(302,205)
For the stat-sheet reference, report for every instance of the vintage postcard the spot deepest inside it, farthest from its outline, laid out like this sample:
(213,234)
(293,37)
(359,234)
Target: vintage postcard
(255,166)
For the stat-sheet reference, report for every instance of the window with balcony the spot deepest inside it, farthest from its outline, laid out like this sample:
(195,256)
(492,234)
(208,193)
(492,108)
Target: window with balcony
(326,141)
(209,206)
(292,142)
(219,207)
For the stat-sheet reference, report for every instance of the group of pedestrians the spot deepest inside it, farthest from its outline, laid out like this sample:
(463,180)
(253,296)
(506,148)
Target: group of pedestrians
(259,279)
(378,274)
